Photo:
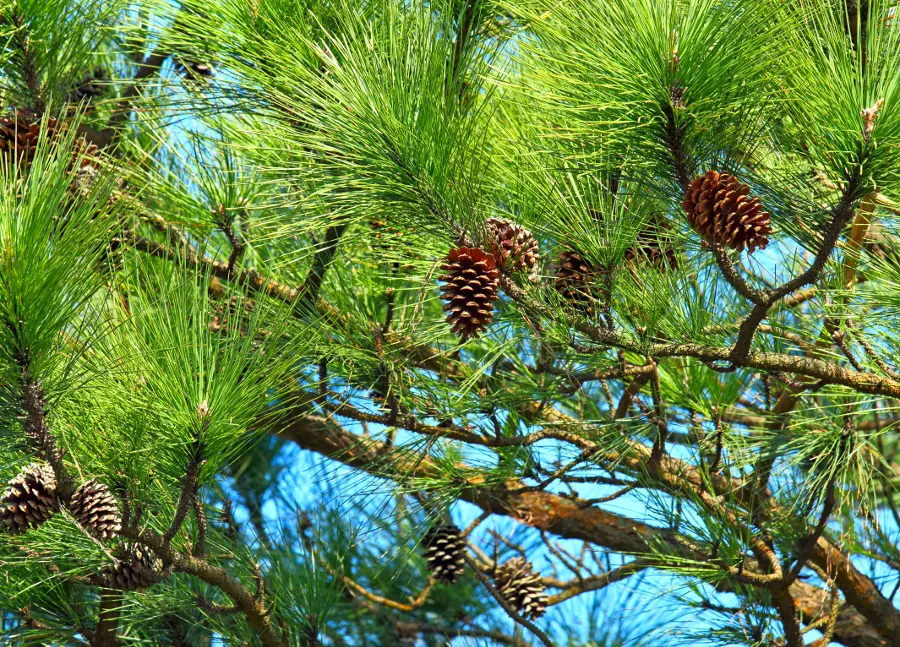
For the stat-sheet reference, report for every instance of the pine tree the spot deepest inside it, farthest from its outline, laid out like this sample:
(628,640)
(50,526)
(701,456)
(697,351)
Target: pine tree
(468,322)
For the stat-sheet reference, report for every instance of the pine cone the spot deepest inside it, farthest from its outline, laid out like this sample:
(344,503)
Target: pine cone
(512,243)
(521,587)
(653,249)
(19,134)
(90,86)
(719,210)
(574,275)
(470,289)
(194,70)
(30,499)
(137,567)
(96,510)
(443,547)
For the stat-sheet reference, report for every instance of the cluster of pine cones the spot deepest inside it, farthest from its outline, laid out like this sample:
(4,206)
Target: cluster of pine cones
(472,275)
(515,580)
(718,207)
(32,497)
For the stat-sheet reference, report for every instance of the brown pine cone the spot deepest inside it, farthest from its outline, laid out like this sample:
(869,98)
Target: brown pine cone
(470,289)
(30,499)
(20,132)
(137,567)
(718,209)
(574,275)
(96,510)
(19,135)
(511,243)
(521,588)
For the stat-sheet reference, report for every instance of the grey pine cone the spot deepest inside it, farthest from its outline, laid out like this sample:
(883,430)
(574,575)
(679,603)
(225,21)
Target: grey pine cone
(137,567)
(512,244)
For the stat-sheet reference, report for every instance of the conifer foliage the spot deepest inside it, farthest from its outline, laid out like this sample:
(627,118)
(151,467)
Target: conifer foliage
(450,322)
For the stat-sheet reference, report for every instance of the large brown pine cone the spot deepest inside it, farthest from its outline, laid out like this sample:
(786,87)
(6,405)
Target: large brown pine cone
(96,510)
(137,567)
(443,547)
(29,500)
(521,587)
(719,209)
(470,289)
(512,244)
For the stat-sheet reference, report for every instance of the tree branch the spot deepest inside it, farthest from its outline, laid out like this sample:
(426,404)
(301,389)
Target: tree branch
(105,635)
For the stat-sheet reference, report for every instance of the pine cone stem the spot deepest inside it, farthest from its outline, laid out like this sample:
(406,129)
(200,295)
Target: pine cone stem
(35,427)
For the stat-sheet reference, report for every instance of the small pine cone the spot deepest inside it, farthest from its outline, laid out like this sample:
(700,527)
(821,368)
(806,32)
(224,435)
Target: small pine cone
(521,587)
(719,210)
(96,510)
(470,289)
(653,249)
(512,243)
(137,567)
(90,86)
(443,548)
(574,275)
(29,500)
(194,70)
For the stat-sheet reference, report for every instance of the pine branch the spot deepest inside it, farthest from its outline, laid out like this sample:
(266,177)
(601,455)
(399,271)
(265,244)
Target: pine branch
(29,70)
(557,515)
(580,585)
(829,372)
(309,291)
(250,607)
(413,628)
(414,603)
(187,497)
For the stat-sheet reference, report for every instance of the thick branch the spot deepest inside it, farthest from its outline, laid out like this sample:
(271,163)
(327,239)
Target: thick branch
(252,608)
